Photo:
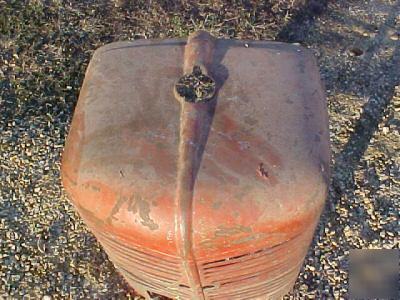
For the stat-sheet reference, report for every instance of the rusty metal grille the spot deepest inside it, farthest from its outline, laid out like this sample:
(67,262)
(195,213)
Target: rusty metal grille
(252,275)
(154,271)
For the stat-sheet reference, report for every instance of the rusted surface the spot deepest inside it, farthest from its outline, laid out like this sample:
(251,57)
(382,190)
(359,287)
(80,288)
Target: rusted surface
(213,200)
(195,124)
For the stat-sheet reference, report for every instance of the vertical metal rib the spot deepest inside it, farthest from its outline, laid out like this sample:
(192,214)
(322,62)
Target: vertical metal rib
(195,122)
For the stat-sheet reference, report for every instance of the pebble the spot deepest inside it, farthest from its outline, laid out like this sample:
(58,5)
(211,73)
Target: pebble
(385,130)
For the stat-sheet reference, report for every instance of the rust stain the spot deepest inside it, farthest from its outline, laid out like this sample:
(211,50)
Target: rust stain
(243,234)
(91,186)
(248,238)
(223,231)
(232,138)
(143,208)
(208,244)
(96,196)
(228,124)
(136,204)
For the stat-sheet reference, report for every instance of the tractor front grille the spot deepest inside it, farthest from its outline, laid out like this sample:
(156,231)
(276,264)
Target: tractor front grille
(266,273)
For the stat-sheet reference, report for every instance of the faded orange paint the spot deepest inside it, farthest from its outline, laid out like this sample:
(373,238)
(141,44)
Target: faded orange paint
(215,200)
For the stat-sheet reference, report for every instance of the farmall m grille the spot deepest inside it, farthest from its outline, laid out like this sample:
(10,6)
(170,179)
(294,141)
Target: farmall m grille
(202,165)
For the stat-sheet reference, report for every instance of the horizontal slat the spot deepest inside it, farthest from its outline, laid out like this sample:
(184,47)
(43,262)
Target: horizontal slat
(258,275)
(125,259)
(249,291)
(250,256)
(155,272)
(165,261)
(152,286)
(233,272)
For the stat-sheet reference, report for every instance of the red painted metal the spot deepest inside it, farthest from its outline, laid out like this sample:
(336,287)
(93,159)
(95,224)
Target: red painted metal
(211,200)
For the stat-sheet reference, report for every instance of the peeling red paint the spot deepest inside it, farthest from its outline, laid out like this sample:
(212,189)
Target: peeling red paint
(201,201)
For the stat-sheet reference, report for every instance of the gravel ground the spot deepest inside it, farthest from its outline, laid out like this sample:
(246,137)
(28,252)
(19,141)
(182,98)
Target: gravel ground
(45,249)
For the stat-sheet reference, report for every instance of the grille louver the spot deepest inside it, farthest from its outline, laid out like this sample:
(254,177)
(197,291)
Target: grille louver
(254,274)
(157,272)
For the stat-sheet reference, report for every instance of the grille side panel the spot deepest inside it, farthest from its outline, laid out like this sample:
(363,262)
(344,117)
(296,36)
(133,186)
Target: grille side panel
(269,272)
(145,269)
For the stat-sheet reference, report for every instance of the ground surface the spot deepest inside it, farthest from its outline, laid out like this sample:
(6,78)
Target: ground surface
(46,250)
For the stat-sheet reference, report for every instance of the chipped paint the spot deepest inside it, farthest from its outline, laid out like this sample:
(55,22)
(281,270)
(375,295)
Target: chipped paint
(223,231)
(180,198)
(137,205)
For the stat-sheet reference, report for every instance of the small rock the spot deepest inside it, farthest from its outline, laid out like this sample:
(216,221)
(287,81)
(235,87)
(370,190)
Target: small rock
(393,34)
(385,130)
